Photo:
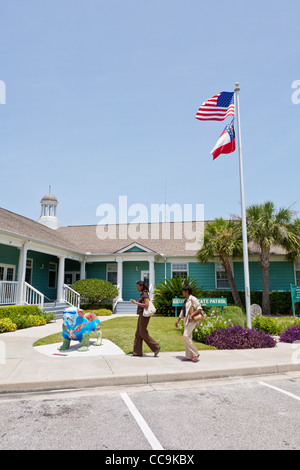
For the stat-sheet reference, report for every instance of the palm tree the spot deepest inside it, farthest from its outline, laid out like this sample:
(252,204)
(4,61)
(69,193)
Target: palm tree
(267,227)
(223,238)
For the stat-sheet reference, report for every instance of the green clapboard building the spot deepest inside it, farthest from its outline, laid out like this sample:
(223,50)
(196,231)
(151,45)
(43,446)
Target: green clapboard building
(40,260)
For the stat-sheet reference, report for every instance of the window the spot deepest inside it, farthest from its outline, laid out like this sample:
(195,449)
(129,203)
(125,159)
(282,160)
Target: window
(221,277)
(297,274)
(28,273)
(71,277)
(52,275)
(112,273)
(7,272)
(180,270)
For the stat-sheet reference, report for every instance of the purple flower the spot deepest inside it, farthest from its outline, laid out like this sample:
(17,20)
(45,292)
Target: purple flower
(290,335)
(237,337)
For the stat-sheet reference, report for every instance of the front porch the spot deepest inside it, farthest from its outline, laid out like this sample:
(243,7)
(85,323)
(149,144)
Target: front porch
(16,293)
(36,275)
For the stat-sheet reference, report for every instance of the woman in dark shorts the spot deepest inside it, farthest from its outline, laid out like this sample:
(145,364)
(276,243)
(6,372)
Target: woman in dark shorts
(142,324)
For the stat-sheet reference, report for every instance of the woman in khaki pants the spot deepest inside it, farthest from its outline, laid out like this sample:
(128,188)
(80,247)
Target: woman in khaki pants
(190,309)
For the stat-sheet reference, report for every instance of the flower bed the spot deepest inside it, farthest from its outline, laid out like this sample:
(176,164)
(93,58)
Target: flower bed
(6,325)
(237,337)
(290,335)
(22,316)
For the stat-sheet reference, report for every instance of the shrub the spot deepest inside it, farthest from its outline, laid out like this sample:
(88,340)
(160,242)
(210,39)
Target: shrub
(6,325)
(10,311)
(290,335)
(100,312)
(280,302)
(266,324)
(165,291)
(237,337)
(231,313)
(274,326)
(95,291)
(25,316)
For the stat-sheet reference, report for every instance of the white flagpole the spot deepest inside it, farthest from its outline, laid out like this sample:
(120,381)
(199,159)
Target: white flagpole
(244,225)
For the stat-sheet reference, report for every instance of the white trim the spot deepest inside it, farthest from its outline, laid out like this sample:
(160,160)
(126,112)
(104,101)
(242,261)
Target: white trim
(143,274)
(135,245)
(17,241)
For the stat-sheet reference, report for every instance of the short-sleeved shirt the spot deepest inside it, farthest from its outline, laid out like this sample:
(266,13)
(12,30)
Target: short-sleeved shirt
(144,295)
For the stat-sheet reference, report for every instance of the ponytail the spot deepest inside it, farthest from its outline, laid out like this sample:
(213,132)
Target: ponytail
(144,285)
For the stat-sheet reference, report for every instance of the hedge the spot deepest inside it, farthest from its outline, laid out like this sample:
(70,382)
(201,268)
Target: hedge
(280,302)
(95,291)
(22,316)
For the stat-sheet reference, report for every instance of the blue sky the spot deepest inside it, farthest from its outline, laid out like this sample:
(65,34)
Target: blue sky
(101,97)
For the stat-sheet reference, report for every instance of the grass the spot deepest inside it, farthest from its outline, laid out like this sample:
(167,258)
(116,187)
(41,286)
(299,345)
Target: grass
(121,331)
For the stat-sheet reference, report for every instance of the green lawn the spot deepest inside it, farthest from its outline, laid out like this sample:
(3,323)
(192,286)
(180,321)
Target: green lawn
(121,331)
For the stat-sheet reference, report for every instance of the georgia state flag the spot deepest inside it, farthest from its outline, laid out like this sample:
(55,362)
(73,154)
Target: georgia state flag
(226,142)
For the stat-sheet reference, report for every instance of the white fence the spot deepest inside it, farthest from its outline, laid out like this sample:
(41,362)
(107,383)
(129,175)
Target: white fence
(9,292)
(10,295)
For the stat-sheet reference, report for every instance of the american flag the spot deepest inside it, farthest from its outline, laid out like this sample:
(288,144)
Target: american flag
(217,108)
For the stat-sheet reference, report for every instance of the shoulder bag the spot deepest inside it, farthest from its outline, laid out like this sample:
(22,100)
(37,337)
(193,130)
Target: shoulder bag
(199,317)
(150,310)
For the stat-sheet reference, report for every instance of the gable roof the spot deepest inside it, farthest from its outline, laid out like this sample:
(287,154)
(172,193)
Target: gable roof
(164,238)
(20,225)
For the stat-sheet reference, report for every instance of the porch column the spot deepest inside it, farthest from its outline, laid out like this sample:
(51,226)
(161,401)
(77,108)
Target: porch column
(120,277)
(151,277)
(22,273)
(60,279)
(82,269)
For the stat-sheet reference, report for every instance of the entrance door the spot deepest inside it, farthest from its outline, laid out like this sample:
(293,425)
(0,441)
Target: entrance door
(8,291)
(71,277)
(7,272)
(145,277)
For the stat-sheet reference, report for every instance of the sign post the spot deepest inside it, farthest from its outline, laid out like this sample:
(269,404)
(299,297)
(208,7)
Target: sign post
(295,294)
(204,302)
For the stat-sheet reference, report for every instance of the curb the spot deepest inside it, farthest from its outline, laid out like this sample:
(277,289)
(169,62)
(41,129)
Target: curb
(145,379)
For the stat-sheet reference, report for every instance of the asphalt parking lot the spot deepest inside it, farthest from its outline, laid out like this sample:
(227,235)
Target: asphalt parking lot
(252,413)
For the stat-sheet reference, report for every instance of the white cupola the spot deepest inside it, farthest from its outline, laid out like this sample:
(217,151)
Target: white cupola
(48,211)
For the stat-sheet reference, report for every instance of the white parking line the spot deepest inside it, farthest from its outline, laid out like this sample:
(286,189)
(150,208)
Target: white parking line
(155,444)
(280,390)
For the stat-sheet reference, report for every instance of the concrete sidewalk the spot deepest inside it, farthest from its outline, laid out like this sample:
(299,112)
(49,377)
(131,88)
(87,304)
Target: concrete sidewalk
(24,368)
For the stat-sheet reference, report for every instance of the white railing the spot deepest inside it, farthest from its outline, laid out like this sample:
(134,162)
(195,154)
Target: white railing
(9,292)
(32,296)
(71,297)
(115,302)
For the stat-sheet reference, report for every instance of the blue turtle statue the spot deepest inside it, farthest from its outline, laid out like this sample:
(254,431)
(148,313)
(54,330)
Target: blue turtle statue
(77,326)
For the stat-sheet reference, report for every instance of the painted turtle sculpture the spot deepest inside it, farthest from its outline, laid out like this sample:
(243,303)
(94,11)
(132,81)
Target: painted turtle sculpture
(77,326)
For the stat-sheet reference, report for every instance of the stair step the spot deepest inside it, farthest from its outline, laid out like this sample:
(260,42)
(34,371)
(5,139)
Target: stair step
(125,307)
(56,307)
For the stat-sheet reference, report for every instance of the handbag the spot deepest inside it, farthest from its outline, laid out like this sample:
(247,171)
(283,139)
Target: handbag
(199,317)
(150,310)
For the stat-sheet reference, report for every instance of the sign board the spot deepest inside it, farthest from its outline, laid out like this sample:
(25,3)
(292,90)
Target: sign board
(204,302)
(295,294)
